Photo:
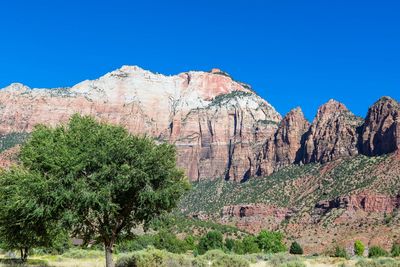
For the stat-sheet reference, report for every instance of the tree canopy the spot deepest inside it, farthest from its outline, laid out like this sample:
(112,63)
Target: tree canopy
(101,180)
(24,222)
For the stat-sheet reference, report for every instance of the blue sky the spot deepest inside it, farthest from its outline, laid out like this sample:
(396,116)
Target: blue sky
(293,53)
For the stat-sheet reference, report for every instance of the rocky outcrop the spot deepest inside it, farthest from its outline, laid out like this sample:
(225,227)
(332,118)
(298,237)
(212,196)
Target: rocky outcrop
(289,137)
(218,125)
(333,134)
(365,201)
(381,130)
(254,217)
(285,146)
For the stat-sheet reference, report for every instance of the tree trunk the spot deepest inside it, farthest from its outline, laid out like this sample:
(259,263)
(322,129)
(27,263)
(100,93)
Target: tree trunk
(24,254)
(109,258)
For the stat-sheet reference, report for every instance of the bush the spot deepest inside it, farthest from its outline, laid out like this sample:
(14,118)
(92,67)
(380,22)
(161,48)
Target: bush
(341,253)
(212,240)
(284,260)
(271,242)
(153,258)
(217,258)
(248,245)
(229,244)
(359,248)
(376,251)
(190,242)
(138,243)
(381,262)
(295,248)
(169,242)
(395,251)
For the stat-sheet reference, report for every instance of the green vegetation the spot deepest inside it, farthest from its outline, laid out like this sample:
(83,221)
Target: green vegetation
(341,253)
(177,223)
(154,257)
(248,245)
(376,251)
(271,242)
(10,140)
(100,190)
(295,248)
(212,240)
(286,187)
(221,99)
(395,251)
(378,262)
(24,222)
(359,248)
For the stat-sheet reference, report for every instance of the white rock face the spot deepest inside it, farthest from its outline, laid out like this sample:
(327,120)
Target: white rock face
(217,123)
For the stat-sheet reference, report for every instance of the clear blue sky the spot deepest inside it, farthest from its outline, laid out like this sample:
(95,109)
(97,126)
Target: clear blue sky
(293,53)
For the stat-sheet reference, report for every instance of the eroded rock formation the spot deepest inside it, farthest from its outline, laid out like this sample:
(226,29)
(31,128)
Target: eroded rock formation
(217,124)
(222,129)
(333,134)
(381,130)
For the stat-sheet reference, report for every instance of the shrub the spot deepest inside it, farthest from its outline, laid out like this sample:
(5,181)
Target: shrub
(271,242)
(248,245)
(284,260)
(153,258)
(217,258)
(138,243)
(212,240)
(295,248)
(376,251)
(381,262)
(190,242)
(229,244)
(341,253)
(395,251)
(169,242)
(359,248)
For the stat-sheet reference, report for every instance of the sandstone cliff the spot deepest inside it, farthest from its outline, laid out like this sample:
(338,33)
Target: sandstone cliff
(218,124)
(381,131)
(221,128)
(333,134)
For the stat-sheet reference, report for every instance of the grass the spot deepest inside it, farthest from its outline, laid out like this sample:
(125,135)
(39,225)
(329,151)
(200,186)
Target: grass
(154,257)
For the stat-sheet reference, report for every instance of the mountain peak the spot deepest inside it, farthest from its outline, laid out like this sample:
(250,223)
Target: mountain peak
(16,87)
(330,108)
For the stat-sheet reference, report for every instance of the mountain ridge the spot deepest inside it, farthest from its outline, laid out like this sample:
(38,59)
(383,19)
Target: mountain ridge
(221,127)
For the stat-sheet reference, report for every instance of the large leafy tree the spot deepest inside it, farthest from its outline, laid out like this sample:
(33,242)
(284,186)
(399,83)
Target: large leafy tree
(107,180)
(24,222)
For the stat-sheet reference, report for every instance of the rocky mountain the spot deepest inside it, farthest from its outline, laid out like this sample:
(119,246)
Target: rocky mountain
(325,182)
(217,124)
(333,134)
(381,131)
(221,127)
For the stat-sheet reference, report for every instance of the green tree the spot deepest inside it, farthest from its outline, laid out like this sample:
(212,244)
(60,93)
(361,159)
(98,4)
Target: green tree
(376,251)
(212,240)
(250,244)
(24,222)
(168,241)
(359,248)
(271,242)
(295,248)
(107,180)
(395,251)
